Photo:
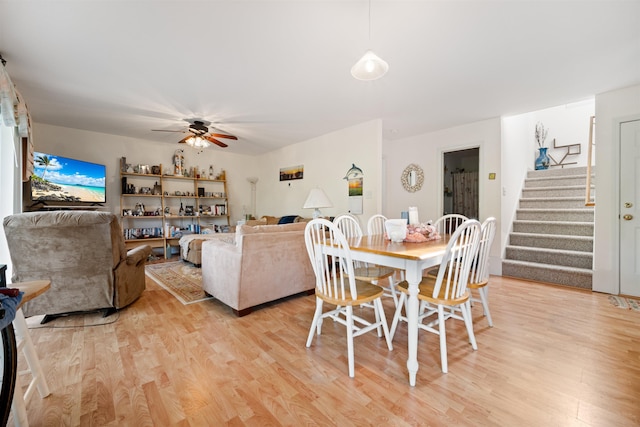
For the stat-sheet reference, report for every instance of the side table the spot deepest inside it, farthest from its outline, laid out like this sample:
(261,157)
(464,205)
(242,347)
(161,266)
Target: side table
(24,343)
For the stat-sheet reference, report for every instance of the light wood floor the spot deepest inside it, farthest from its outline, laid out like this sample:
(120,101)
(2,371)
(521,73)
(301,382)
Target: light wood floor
(556,357)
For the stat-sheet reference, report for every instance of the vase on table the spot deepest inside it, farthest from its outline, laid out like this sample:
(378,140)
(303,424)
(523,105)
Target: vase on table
(542,162)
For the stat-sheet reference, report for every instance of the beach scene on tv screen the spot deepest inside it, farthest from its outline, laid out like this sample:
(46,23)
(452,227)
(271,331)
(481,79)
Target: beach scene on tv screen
(61,179)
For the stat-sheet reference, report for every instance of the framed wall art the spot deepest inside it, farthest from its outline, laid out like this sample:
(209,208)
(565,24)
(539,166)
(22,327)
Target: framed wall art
(292,172)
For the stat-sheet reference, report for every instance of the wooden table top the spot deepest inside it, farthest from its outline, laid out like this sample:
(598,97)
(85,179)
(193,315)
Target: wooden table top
(415,251)
(32,289)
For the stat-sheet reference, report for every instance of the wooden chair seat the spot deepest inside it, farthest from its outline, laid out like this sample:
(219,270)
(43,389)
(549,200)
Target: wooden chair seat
(426,287)
(365,293)
(367,273)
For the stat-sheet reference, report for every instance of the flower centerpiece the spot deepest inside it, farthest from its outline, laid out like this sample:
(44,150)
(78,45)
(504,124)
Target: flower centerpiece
(542,161)
(421,233)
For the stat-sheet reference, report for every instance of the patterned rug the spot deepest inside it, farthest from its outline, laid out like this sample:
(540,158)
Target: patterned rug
(181,279)
(626,303)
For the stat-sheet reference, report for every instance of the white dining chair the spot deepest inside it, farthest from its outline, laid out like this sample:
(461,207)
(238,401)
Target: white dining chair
(446,290)
(448,223)
(479,274)
(375,225)
(363,271)
(337,285)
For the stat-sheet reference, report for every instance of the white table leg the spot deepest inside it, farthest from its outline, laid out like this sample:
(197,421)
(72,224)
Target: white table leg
(414,275)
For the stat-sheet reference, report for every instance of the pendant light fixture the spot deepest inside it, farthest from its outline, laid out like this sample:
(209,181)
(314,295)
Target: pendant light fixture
(370,66)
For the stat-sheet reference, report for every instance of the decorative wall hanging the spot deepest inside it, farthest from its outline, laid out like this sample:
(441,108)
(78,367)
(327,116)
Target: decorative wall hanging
(412,178)
(355,179)
(292,172)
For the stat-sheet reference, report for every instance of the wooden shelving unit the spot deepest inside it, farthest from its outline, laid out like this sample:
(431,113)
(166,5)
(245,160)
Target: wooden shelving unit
(155,208)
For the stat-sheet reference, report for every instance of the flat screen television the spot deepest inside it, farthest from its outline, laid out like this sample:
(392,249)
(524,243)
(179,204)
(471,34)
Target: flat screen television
(61,179)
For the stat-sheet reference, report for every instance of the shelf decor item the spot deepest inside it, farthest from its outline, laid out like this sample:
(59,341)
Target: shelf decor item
(542,161)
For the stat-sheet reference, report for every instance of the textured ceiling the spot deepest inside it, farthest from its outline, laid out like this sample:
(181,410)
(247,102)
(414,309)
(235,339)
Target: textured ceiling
(277,72)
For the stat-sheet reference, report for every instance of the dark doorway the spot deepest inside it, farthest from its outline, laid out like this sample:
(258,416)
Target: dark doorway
(460,182)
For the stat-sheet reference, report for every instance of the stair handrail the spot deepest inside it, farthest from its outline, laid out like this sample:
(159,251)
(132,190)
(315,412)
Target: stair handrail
(587,200)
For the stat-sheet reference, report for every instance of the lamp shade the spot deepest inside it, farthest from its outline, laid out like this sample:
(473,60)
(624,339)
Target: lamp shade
(369,67)
(315,200)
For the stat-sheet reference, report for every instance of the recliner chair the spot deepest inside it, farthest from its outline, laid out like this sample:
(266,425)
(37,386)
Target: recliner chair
(82,253)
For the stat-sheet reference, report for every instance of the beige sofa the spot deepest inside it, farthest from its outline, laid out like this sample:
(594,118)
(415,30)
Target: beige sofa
(191,244)
(261,264)
(84,256)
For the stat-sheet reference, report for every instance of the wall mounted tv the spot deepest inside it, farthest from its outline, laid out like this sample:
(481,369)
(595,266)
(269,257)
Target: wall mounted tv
(60,179)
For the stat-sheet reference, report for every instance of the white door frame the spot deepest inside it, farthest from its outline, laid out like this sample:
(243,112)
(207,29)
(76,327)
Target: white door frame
(445,150)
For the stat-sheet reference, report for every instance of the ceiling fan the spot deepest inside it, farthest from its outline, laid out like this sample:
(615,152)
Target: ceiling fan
(199,134)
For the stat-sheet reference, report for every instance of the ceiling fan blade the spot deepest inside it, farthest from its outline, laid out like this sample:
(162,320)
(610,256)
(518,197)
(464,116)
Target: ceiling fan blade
(184,140)
(215,141)
(164,130)
(222,135)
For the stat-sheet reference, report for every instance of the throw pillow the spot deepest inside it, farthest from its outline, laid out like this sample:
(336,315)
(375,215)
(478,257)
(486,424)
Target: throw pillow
(287,219)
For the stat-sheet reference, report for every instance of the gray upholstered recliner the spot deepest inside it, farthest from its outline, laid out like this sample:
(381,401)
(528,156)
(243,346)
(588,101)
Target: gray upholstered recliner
(84,256)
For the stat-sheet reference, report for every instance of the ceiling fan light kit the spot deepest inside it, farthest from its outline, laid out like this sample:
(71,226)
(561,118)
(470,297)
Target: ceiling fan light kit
(200,137)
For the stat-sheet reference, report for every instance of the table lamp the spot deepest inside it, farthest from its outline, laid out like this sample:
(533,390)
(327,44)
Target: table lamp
(315,200)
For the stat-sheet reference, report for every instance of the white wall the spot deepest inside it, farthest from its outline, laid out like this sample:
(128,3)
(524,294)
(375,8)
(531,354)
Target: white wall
(108,149)
(568,124)
(326,160)
(517,145)
(611,108)
(427,150)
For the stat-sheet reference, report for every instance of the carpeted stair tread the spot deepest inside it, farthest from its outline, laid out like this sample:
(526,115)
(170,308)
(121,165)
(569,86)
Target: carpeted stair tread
(555,236)
(551,251)
(569,228)
(561,275)
(550,266)
(551,214)
(568,258)
(541,199)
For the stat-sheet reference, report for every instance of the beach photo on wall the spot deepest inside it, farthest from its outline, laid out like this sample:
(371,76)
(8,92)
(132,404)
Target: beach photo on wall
(62,179)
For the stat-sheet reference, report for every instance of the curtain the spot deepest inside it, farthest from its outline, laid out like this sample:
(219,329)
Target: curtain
(14,113)
(465,193)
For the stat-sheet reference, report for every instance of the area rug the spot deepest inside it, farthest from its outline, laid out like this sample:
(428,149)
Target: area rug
(181,279)
(626,303)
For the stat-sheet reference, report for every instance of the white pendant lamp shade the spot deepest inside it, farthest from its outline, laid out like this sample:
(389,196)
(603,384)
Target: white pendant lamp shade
(369,67)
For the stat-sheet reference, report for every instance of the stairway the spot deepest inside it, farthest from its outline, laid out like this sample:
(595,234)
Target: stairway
(552,236)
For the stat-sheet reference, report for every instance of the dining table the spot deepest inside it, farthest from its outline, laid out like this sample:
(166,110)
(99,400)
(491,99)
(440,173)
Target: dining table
(411,257)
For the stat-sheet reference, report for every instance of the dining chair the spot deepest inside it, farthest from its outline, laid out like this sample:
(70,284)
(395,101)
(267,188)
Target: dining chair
(375,225)
(448,289)
(444,225)
(337,285)
(479,273)
(448,223)
(350,227)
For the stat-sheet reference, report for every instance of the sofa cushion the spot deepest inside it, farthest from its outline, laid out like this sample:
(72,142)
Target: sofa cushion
(271,220)
(247,229)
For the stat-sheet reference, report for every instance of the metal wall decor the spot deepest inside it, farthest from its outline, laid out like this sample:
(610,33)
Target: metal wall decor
(412,178)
